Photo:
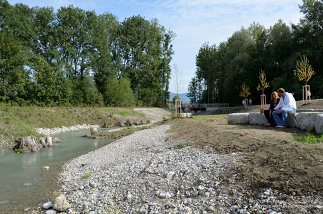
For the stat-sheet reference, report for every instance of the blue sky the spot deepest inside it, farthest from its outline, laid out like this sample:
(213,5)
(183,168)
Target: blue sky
(194,22)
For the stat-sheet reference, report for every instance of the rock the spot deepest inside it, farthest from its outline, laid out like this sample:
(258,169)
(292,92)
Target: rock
(61,203)
(28,144)
(46,167)
(170,176)
(42,141)
(256,118)
(181,187)
(47,205)
(56,140)
(26,209)
(291,120)
(210,209)
(49,141)
(164,195)
(128,123)
(238,118)
(306,120)
(319,123)
(51,211)
(94,131)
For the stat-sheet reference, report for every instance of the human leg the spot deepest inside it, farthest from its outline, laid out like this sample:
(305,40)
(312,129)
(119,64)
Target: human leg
(285,113)
(277,118)
(266,113)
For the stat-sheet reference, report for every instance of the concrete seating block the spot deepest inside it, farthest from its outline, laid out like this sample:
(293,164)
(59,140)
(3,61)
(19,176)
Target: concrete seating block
(306,120)
(319,123)
(238,118)
(256,118)
(291,120)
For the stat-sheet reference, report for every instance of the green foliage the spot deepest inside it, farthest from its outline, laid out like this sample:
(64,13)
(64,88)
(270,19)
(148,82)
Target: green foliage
(222,68)
(118,93)
(310,138)
(183,145)
(87,175)
(67,57)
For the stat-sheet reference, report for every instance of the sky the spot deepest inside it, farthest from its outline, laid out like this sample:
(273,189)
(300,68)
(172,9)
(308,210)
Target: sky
(194,22)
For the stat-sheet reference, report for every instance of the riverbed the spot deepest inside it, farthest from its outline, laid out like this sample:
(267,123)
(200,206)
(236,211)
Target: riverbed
(24,180)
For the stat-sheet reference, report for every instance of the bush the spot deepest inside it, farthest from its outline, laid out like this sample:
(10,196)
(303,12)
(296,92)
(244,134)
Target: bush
(118,93)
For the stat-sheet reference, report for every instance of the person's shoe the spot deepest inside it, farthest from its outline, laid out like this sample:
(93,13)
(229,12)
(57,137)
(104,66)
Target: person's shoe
(280,126)
(268,125)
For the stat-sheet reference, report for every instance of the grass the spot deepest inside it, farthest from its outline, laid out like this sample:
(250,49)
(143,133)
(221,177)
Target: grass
(310,138)
(87,175)
(18,121)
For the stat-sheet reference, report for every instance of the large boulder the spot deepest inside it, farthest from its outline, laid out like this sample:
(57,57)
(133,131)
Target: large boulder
(256,118)
(238,118)
(49,141)
(319,123)
(61,203)
(291,120)
(306,120)
(28,144)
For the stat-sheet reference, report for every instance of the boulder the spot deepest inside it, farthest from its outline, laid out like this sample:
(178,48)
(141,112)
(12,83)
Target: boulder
(28,144)
(56,140)
(238,118)
(306,120)
(319,123)
(42,141)
(291,120)
(49,141)
(94,131)
(256,118)
(47,205)
(61,203)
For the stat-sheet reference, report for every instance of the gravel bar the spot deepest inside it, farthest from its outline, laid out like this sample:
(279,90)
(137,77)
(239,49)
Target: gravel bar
(144,173)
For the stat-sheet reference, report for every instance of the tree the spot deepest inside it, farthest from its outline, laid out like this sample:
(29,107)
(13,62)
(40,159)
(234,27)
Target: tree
(118,93)
(245,93)
(304,70)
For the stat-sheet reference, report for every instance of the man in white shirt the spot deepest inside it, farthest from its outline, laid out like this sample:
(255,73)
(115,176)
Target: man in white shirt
(286,105)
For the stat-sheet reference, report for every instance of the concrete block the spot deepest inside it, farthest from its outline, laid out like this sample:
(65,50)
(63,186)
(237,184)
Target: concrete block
(256,118)
(319,123)
(291,120)
(238,118)
(306,120)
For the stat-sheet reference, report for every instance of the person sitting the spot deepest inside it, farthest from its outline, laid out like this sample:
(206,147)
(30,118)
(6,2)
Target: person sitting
(268,112)
(286,105)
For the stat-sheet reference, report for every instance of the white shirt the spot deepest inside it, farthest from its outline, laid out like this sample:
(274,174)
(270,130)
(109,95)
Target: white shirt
(287,101)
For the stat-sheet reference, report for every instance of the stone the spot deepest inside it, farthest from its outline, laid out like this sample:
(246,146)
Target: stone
(94,131)
(238,118)
(210,209)
(47,205)
(291,120)
(49,141)
(28,144)
(306,120)
(319,123)
(61,203)
(128,123)
(165,195)
(46,168)
(42,141)
(56,140)
(256,118)
(51,212)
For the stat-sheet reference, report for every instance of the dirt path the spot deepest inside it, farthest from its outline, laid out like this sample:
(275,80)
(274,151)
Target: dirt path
(155,114)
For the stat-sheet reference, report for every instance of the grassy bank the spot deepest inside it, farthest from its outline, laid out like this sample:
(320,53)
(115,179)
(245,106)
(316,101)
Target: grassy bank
(290,160)
(22,121)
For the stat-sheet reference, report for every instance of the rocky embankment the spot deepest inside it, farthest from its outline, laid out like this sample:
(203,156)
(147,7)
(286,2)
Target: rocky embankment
(143,173)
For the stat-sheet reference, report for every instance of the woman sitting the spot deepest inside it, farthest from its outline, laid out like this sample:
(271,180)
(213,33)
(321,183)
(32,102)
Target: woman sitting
(268,111)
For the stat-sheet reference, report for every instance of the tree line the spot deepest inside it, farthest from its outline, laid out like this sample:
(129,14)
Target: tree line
(222,69)
(76,57)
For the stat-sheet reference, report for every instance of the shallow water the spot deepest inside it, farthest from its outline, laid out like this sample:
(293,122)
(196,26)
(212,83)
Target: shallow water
(23,178)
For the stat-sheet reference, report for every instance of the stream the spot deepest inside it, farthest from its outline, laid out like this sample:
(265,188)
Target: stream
(24,183)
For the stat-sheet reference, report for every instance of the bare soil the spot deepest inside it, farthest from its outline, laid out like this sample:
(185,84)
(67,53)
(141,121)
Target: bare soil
(273,158)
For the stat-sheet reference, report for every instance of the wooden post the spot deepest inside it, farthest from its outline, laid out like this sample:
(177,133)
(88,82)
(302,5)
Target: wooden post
(245,103)
(263,100)
(306,94)
(178,109)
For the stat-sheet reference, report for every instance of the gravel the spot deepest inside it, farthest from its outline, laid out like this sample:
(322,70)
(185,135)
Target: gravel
(141,173)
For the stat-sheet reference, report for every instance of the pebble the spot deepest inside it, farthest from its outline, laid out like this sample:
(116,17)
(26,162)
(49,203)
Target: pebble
(47,205)
(145,173)
(51,211)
